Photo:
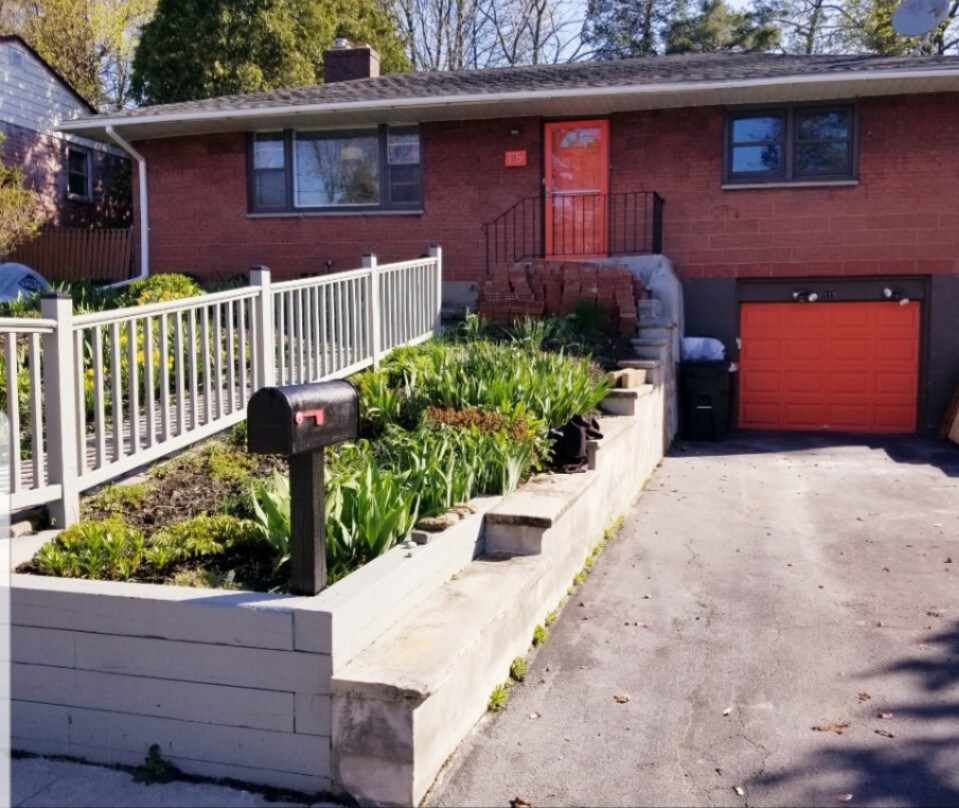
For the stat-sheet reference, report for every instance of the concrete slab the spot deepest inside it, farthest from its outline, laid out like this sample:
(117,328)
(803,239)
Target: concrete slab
(67,784)
(768,601)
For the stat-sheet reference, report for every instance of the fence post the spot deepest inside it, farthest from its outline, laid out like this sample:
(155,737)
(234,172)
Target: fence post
(369,262)
(59,392)
(436,252)
(265,348)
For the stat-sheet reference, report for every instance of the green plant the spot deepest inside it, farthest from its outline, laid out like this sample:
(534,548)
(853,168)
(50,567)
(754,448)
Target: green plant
(579,578)
(110,549)
(239,434)
(550,619)
(368,511)
(617,525)
(271,508)
(115,498)
(21,211)
(518,669)
(497,699)
(158,289)
(155,769)
(540,634)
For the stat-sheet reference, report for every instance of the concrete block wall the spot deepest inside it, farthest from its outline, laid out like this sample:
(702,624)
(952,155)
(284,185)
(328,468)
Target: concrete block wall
(227,684)
(219,681)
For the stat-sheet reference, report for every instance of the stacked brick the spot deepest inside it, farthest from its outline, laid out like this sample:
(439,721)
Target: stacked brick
(544,288)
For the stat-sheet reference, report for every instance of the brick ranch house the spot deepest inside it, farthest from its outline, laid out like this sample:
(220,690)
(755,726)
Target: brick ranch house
(810,204)
(76,177)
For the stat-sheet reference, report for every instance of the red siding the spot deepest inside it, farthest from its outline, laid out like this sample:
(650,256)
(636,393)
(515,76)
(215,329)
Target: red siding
(902,218)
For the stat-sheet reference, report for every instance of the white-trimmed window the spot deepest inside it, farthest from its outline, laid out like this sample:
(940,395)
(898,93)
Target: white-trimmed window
(336,171)
(78,173)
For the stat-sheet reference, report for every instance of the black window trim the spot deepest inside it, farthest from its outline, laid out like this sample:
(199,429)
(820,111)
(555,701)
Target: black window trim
(788,175)
(87,195)
(384,206)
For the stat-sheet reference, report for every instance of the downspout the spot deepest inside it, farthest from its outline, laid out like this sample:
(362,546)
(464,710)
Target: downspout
(144,211)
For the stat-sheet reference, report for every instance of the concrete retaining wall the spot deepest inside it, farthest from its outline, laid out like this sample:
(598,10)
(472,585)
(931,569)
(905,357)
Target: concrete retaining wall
(239,685)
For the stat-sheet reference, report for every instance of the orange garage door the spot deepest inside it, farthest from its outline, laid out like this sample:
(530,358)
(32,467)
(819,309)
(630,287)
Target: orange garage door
(847,367)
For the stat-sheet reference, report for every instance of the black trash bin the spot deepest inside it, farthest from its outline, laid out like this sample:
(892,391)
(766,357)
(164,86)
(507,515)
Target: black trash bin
(706,400)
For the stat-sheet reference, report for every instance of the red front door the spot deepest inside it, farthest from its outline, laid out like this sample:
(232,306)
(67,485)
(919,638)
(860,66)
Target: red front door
(577,183)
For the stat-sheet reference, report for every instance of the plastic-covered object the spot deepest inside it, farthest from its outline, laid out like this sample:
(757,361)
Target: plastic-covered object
(18,280)
(702,349)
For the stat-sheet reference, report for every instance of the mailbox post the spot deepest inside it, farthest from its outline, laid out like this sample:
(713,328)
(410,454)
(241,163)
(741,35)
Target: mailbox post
(299,421)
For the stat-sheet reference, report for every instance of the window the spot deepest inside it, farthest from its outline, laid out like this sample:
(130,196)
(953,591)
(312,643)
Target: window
(78,173)
(795,144)
(362,170)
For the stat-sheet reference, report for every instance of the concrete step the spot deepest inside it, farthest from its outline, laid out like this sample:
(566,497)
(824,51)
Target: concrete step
(402,707)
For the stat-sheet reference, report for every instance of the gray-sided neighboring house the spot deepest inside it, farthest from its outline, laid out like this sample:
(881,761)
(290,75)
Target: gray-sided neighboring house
(82,182)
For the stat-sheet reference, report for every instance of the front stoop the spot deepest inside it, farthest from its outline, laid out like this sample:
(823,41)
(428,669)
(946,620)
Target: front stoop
(402,706)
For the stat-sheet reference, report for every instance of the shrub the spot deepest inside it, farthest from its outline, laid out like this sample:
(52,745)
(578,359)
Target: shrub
(158,289)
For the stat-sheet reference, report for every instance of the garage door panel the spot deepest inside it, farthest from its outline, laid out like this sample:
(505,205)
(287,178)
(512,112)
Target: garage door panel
(893,383)
(764,351)
(761,382)
(802,416)
(847,416)
(852,350)
(804,349)
(845,384)
(838,366)
(764,416)
(809,384)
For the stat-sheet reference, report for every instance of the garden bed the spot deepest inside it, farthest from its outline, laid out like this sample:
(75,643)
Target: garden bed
(441,423)
(240,684)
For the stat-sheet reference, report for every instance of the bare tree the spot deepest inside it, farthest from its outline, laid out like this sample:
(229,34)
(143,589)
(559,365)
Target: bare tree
(458,34)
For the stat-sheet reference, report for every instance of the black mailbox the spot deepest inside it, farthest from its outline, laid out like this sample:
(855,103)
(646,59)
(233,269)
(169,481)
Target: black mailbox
(302,418)
(298,421)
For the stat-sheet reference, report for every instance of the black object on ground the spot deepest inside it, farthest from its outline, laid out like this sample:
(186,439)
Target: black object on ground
(569,443)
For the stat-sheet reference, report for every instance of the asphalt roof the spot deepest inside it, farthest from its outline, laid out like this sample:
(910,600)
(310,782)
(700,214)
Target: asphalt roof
(656,70)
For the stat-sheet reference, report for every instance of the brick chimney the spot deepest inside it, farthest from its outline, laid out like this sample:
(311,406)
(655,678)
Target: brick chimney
(346,62)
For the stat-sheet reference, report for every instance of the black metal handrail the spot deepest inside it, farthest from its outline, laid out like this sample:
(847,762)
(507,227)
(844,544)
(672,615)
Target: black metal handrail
(579,226)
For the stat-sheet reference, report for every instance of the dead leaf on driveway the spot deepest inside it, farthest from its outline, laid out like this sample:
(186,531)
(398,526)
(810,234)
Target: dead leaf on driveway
(923,647)
(844,798)
(886,715)
(884,733)
(832,726)
(864,697)
(519,802)
(621,698)
(740,790)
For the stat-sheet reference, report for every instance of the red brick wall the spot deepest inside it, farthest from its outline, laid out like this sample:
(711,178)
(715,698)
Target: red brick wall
(199,222)
(903,217)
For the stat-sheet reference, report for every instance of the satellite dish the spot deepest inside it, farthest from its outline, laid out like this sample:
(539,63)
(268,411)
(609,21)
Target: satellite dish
(918,17)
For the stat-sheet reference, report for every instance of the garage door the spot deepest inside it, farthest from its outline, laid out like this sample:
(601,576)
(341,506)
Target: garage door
(847,367)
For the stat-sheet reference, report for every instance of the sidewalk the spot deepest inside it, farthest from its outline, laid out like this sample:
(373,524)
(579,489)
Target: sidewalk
(63,784)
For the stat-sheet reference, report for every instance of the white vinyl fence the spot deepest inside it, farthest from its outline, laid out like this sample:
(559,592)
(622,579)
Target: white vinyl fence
(91,397)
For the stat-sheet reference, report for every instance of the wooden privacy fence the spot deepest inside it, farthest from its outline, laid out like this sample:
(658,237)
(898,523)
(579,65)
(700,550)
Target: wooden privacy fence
(91,397)
(74,254)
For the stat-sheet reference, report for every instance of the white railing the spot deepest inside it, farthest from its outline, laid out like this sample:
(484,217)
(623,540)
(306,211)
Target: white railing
(91,397)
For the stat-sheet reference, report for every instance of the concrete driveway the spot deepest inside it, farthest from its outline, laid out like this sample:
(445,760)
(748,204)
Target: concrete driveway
(783,613)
